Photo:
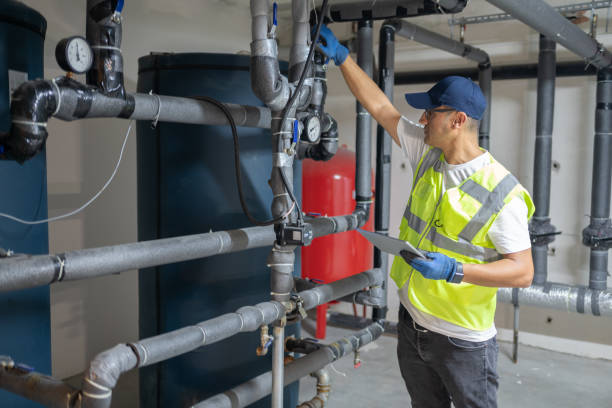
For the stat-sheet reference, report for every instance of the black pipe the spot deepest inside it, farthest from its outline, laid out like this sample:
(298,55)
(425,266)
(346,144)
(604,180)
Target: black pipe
(485,76)
(518,71)
(384,9)
(598,235)
(103,30)
(386,65)
(363,142)
(541,231)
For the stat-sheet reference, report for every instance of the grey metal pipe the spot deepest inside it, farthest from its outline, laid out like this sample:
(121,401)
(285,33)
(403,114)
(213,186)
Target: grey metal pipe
(386,82)
(322,226)
(38,387)
(363,141)
(575,299)
(485,77)
(435,40)
(31,271)
(384,9)
(598,235)
(545,19)
(542,232)
(260,386)
(301,39)
(323,390)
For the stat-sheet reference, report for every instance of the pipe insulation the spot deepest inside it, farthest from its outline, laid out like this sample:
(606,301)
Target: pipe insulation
(540,228)
(386,81)
(545,19)
(363,141)
(435,40)
(21,272)
(562,297)
(384,9)
(260,386)
(301,39)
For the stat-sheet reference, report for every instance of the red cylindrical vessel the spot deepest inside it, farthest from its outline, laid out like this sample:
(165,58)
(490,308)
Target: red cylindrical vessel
(328,189)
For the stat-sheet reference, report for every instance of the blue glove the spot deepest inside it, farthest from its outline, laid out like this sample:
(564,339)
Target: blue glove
(437,266)
(328,44)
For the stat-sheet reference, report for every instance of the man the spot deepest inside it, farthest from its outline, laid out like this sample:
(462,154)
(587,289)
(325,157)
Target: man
(470,215)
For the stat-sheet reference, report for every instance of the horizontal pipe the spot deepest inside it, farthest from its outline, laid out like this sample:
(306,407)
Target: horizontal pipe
(322,226)
(38,387)
(413,32)
(384,9)
(574,299)
(31,271)
(546,20)
(260,386)
(502,72)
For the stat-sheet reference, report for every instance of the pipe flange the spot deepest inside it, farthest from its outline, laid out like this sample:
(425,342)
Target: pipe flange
(598,235)
(542,232)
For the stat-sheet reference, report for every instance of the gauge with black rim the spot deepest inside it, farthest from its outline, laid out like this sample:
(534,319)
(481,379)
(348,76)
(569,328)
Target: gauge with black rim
(312,127)
(74,54)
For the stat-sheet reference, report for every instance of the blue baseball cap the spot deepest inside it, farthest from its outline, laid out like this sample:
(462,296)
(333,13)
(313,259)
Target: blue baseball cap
(458,92)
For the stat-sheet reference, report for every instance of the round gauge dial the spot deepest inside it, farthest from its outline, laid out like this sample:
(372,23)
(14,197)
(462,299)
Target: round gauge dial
(74,54)
(313,129)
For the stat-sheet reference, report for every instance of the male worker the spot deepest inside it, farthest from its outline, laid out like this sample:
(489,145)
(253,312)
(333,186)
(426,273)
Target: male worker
(471,215)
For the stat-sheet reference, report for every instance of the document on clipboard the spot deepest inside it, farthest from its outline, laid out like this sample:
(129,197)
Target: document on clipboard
(391,245)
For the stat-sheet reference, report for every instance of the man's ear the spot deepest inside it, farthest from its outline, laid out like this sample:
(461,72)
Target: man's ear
(459,120)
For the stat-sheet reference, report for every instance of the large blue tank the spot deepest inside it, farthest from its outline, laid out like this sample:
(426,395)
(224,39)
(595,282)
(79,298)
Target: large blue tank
(24,315)
(186,185)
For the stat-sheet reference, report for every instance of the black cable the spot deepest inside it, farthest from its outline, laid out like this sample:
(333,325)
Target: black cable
(243,204)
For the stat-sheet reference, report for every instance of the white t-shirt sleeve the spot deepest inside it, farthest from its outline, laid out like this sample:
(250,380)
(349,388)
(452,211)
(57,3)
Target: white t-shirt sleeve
(510,230)
(412,141)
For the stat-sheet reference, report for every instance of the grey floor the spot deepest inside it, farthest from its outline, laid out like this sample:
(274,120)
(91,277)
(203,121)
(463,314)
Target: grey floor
(541,379)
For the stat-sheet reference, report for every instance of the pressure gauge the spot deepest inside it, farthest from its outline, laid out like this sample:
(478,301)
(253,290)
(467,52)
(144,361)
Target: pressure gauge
(312,127)
(74,54)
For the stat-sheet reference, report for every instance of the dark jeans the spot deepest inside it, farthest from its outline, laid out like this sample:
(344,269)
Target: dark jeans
(439,369)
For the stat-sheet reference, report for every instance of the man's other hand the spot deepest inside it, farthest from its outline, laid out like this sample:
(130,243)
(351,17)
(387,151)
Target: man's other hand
(328,44)
(437,266)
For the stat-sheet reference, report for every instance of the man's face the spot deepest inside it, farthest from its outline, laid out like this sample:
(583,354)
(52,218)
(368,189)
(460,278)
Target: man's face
(437,123)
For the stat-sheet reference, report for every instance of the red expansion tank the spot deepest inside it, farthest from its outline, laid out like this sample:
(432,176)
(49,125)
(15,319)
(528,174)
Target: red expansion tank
(328,188)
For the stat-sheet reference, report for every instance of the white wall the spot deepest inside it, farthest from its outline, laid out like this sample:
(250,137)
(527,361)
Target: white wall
(89,316)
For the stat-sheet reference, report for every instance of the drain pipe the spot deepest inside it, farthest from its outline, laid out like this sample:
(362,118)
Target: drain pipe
(541,231)
(545,19)
(255,389)
(386,79)
(598,235)
(323,390)
(363,141)
(35,102)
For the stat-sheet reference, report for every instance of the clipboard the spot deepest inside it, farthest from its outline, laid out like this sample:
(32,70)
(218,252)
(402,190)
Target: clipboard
(391,245)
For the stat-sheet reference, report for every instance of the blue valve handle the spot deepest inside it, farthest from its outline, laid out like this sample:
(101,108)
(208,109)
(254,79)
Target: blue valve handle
(295,131)
(119,7)
(274,10)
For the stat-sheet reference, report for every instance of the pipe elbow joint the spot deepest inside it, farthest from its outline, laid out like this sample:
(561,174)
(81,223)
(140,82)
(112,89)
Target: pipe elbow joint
(362,212)
(34,102)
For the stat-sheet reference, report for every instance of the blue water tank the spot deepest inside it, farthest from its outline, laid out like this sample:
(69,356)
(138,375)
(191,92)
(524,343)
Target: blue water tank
(186,185)
(24,315)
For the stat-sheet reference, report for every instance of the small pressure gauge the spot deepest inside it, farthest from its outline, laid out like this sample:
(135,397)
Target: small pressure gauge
(312,127)
(74,54)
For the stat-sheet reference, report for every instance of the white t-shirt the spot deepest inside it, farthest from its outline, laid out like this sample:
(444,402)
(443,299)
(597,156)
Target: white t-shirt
(509,232)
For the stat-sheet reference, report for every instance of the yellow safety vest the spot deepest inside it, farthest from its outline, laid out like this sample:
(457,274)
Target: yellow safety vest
(455,222)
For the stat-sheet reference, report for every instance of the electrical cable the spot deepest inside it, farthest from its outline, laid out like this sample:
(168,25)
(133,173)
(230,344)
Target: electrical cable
(91,200)
(243,203)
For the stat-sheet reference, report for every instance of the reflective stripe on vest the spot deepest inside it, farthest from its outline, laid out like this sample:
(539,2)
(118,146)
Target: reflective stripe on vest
(469,210)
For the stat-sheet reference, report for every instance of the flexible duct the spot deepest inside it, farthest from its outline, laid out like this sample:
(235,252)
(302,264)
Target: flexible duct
(545,19)
(260,386)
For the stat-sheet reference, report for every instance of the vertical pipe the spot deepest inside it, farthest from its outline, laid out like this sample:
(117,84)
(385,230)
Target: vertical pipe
(599,229)
(485,76)
(386,78)
(363,174)
(278,356)
(540,223)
